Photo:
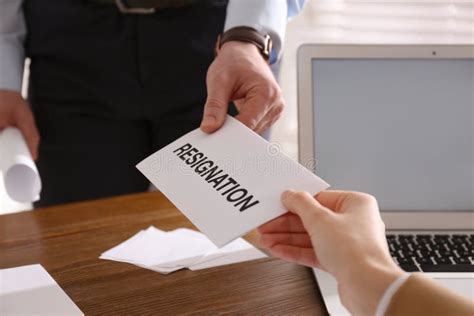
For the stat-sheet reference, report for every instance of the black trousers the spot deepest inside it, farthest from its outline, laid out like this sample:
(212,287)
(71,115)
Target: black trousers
(109,89)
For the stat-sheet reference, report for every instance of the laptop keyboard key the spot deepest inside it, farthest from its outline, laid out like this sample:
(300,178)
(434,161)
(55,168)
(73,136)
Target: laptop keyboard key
(462,260)
(438,246)
(421,246)
(405,260)
(445,253)
(421,236)
(447,268)
(458,240)
(424,253)
(424,260)
(464,253)
(443,260)
(409,267)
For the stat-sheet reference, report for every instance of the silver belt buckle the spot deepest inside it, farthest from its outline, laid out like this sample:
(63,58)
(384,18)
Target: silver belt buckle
(127,10)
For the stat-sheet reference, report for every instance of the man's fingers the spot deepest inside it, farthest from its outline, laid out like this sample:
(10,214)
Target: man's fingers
(290,239)
(256,104)
(266,124)
(27,126)
(303,256)
(270,117)
(251,116)
(15,111)
(283,224)
(305,206)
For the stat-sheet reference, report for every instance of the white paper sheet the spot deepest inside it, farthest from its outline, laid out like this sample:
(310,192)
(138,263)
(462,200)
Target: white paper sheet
(30,290)
(222,210)
(175,249)
(238,250)
(21,178)
(166,252)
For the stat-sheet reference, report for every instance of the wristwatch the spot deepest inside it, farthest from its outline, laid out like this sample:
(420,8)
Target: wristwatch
(248,35)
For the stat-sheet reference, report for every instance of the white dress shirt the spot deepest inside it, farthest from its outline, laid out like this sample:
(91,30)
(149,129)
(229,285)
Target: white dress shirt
(268,16)
(12,36)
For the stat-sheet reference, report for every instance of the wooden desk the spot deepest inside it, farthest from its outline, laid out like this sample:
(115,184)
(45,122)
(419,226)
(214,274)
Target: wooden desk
(67,240)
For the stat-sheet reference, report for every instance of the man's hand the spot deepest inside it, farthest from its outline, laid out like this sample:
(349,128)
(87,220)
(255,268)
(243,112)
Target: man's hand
(342,233)
(15,111)
(240,74)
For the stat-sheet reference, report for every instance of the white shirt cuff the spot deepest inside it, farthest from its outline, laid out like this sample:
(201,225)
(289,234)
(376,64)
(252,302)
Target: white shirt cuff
(266,16)
(12,61)
(388,294)
(12,55)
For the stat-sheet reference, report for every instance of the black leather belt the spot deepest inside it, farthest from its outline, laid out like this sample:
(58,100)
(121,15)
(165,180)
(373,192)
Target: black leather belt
(144,6)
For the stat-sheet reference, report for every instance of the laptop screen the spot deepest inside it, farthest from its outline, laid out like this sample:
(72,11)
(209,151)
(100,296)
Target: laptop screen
(400,129)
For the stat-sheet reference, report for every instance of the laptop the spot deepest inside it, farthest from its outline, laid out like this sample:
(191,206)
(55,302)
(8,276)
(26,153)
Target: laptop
(397,121)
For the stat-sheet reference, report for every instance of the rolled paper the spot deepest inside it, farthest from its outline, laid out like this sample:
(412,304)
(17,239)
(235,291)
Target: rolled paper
(20,175)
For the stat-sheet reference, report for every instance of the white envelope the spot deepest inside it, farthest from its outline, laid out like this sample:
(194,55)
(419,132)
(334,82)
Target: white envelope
(229,182)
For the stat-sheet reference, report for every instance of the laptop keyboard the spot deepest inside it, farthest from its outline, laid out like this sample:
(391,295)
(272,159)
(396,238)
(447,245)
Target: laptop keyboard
(433,253)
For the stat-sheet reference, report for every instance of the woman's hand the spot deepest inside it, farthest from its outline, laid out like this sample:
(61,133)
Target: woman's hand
(341,233)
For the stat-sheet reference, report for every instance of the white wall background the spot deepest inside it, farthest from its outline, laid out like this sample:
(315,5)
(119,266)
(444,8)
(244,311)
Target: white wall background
(353,21)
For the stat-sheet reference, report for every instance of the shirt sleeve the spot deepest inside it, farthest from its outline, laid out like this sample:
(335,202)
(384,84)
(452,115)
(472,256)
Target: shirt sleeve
(266,16)
(12,36)
(388,294)
(295,7)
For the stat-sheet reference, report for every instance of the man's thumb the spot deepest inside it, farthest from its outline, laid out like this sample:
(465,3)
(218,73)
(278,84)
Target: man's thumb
(215,109)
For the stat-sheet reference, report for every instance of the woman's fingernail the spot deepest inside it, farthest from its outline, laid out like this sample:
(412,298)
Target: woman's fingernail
(286,194)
